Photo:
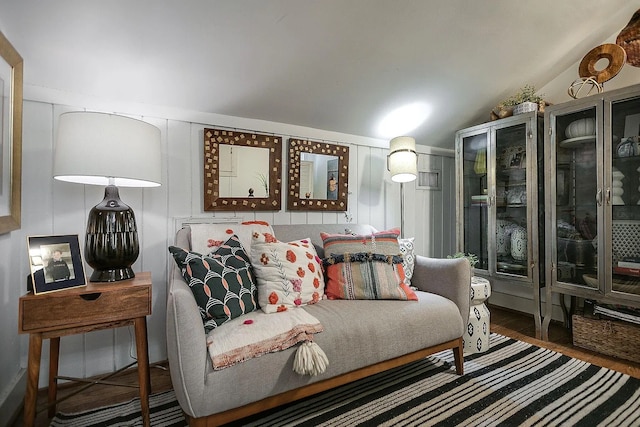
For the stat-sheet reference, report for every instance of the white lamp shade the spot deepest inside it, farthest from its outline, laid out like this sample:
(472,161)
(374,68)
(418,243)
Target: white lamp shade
(101,149)
(403,160)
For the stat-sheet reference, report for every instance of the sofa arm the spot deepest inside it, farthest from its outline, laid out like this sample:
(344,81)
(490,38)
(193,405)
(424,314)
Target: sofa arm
(186,343)
(450,278)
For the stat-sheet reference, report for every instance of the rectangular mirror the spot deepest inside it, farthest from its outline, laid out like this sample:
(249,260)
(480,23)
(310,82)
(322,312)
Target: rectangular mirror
(241,171)
(318,176)
(11,71)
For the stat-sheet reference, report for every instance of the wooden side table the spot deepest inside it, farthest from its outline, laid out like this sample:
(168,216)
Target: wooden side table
(79,310)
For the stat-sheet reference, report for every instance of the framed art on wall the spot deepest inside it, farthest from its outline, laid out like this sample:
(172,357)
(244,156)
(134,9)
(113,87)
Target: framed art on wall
(55,263)
(11,71)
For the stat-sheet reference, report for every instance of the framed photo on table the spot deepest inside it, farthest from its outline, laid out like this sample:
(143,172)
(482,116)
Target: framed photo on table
(55,263)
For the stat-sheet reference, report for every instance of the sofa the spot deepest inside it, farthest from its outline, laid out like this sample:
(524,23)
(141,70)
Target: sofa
(359,337)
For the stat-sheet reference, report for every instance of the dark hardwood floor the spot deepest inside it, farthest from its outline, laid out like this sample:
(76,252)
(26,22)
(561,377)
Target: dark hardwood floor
(505,322)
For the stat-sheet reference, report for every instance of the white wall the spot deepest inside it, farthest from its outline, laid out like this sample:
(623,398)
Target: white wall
(52,207)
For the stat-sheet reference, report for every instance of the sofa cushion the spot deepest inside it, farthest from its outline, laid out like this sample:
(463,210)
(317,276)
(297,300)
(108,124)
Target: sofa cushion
(206,238)
(365,266)
(223,284)
(288,274)
(407,249)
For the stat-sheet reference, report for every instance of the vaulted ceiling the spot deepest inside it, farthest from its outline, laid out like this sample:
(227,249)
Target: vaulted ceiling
(338,65)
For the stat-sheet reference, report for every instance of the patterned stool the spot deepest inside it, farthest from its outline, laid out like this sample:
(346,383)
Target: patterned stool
(476,337)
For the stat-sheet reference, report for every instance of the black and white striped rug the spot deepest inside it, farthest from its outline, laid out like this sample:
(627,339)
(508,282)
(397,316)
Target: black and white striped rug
(512,384)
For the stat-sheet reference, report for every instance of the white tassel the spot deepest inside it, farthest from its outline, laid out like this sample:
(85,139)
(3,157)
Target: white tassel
(310,359)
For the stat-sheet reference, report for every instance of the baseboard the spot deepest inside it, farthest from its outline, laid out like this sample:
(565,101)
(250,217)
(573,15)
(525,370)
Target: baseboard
(12,398)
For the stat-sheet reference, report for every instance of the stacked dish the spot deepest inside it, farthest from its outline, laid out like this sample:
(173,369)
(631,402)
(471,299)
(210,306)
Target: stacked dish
(616,183)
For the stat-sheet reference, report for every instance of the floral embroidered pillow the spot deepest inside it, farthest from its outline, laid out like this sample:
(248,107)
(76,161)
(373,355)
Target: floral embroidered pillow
(288,275)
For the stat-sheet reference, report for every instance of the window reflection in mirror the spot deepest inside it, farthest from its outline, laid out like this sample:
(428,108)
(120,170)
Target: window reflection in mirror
(244,171)
(318,176)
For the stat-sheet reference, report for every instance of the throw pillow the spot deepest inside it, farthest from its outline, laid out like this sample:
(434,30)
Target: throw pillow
(223,284)
(365,267)
(206,238)
(407,250)
(288,274)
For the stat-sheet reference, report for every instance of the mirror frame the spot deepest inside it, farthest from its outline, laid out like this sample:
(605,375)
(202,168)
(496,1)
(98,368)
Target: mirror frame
(212,199)
(11,56)
(298,146)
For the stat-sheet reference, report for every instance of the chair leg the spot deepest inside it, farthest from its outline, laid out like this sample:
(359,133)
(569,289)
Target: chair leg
(458,356)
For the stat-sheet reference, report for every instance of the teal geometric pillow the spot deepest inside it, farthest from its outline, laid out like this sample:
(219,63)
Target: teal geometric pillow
(222,283)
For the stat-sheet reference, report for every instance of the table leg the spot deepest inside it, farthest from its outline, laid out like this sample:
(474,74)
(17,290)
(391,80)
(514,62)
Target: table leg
(33,373)
(54,357)
(144,378)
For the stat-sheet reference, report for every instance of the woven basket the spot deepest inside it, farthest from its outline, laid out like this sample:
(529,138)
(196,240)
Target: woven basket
(611,337)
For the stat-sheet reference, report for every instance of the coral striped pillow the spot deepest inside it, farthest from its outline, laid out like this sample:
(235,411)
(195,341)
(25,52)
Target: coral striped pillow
(365,267)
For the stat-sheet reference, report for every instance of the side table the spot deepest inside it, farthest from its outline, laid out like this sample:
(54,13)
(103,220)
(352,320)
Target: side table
(476,337)
(103,305)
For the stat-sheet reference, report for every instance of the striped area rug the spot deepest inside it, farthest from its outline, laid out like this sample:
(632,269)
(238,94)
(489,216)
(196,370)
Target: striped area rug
(512,384)
(164,408)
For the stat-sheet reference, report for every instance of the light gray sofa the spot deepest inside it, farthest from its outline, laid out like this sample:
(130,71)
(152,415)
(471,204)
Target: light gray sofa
(360,338)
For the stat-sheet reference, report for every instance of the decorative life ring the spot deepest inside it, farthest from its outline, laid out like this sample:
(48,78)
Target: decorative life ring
(609,51)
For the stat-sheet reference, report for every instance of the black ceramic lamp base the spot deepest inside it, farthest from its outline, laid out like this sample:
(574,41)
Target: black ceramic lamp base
(111,242)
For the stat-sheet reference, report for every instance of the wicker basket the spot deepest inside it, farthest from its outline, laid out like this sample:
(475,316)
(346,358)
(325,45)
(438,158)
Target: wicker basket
(611,337)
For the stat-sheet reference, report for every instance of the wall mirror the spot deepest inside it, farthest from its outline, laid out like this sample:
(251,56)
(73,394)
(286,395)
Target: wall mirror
(11,72)
(241,171)
(318,176)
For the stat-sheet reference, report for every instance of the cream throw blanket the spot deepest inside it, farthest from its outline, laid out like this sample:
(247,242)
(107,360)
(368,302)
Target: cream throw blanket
(258,333)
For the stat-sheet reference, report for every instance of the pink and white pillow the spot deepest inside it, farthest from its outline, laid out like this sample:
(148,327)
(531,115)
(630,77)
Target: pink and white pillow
(207,238)
(288,275)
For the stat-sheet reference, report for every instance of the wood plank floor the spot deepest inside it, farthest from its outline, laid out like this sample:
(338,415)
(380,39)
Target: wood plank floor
(505,322)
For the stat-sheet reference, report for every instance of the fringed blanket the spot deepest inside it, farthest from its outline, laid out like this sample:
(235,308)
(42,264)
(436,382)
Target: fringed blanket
(258,333)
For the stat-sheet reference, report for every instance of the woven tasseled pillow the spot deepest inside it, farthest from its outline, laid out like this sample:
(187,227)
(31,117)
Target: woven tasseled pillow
(365,266)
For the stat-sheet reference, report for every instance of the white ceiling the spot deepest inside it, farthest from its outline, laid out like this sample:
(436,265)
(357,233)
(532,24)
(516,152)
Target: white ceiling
(337,65)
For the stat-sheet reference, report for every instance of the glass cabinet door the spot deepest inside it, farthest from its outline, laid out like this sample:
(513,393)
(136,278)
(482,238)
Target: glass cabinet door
(577,198)
(475,197)
(512,225)
(623,194)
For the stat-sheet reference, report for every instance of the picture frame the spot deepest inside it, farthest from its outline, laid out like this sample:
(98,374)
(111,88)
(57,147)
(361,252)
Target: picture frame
(55,263)
(11,86)
(632,125)
(328,160)
(259,184)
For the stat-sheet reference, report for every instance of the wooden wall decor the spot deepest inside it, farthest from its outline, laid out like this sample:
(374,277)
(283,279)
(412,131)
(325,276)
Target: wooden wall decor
(214,199)
(337,185)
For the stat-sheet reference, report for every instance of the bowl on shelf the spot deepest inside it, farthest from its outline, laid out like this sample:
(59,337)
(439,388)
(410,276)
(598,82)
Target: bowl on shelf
(581,128)
(591,280)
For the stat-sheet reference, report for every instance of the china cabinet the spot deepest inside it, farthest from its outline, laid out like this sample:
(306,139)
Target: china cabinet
(499,192)
(592,203)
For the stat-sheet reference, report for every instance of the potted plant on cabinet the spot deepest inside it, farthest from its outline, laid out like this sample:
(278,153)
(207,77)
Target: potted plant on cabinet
(524,101)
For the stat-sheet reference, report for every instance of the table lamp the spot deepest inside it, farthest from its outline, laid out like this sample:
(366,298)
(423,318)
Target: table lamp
(116,151)
(402,162)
